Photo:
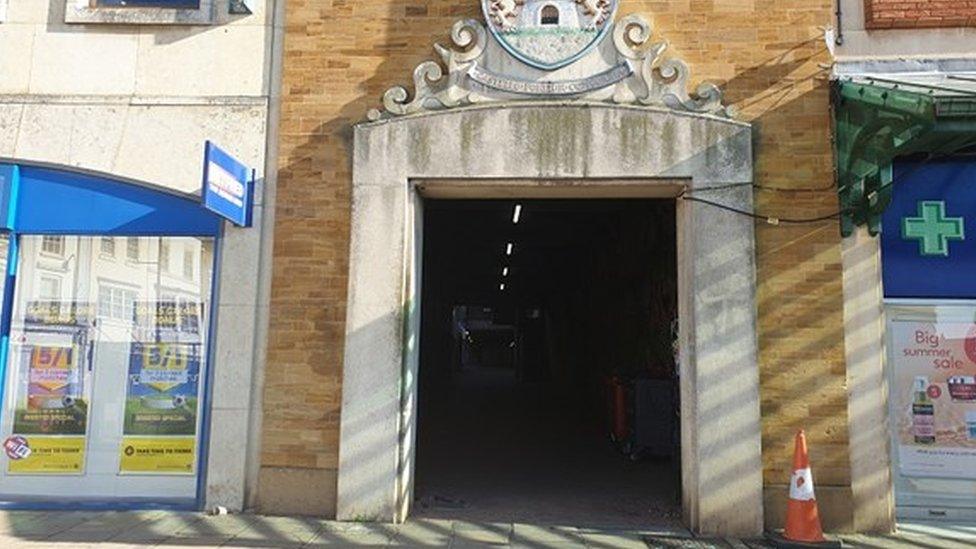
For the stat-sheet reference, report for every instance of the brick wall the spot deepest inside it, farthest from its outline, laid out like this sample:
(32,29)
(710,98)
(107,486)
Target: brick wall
(902,14)
(339,58)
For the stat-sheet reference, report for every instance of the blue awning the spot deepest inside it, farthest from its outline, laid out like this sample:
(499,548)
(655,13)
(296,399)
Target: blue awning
(38,199)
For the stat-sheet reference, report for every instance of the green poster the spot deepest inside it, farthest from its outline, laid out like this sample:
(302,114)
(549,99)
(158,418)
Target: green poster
(162,388)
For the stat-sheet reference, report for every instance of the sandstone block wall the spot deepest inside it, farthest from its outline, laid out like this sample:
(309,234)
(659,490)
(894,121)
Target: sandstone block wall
(767,56)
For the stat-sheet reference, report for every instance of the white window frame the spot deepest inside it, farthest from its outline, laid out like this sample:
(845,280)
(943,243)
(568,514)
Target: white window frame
(123,291)
(102,241)
(188,254)
(128,249)
(61,239)
(164,262)
(87,11)
(3,10)
(40,286)
(181,300)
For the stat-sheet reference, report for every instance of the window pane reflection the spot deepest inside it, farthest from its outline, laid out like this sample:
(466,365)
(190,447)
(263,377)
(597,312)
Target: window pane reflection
(105,367)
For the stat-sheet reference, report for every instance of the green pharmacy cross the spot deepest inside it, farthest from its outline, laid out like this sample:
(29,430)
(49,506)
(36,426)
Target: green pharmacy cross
(933,229)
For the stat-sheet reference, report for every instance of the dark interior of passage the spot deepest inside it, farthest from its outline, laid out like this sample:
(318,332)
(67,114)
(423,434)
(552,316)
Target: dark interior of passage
(548,386)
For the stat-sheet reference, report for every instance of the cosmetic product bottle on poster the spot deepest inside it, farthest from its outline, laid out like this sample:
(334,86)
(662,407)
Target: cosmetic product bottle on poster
(923,413)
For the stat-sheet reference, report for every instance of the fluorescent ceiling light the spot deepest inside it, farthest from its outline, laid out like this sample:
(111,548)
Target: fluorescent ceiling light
(518,214)
(505,271)
(509,248)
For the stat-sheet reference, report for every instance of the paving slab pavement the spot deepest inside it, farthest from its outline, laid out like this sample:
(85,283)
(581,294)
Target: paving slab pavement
(920,535)
(170,530)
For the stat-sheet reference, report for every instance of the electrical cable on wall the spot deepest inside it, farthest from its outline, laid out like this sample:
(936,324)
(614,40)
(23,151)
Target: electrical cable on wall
(774,220)
(768,219)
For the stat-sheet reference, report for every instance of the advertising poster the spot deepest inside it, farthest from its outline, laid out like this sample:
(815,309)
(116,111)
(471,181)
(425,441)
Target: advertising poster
(51,408)
(57,315)
(168,321)
(31,455)
(162,391)
(165,455)
(53,402)
(162,388)
(934,394)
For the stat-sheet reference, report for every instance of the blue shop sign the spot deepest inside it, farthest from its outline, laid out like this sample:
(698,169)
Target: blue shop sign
(228,186)
(929,241)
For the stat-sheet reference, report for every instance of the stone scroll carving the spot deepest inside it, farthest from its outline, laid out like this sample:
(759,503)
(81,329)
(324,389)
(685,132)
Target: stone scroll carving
(662,81)
(641,74)
(432,88)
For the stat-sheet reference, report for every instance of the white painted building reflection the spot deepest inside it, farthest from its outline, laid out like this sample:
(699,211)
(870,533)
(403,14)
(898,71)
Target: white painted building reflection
(107,356)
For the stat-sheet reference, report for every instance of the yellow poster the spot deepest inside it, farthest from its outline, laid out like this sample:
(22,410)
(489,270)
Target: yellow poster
(167,455)
(48,455)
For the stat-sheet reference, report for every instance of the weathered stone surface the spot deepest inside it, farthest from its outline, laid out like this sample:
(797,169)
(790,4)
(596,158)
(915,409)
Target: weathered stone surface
(544,143)
(763,54)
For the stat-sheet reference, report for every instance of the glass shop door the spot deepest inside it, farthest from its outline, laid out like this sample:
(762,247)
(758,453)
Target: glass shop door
(104,374)
(931,369)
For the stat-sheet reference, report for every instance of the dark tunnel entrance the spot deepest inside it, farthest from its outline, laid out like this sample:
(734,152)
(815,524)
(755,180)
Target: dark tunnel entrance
(548,381)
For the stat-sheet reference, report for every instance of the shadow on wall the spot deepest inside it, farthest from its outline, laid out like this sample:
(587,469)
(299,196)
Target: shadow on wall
(800,293)
(801,328)
(800,299)
(308,307)
(726,443)
(762,87)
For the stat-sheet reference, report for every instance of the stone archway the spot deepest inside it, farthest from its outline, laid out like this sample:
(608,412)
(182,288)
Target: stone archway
(573,145)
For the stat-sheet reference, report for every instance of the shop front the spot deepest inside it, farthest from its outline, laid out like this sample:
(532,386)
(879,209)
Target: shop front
(906,175)
(930,311)
(108,330)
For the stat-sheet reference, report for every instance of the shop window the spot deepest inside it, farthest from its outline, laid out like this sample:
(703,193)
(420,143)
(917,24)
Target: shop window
(107,247)
(49,288)
(188,264)
(116,302)
(164,256)
(931,371)
(53,245)
(132,248)
(145,12)
(187,314)
(550,15)
(105,378)
(191,314)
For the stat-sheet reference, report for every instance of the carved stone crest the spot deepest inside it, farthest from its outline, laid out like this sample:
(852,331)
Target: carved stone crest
(631,69)
(549,34)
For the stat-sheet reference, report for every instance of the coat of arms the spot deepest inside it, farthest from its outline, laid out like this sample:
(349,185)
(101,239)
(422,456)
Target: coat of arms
(549,34)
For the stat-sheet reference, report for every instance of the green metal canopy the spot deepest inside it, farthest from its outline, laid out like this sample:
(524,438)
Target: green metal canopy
(880,117)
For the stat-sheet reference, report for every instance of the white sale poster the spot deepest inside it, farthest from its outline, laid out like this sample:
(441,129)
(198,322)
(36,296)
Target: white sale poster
(934,397)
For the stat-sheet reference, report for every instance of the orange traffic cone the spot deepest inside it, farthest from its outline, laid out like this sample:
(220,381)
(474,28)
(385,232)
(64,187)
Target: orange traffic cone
(803,527)
(802,515)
